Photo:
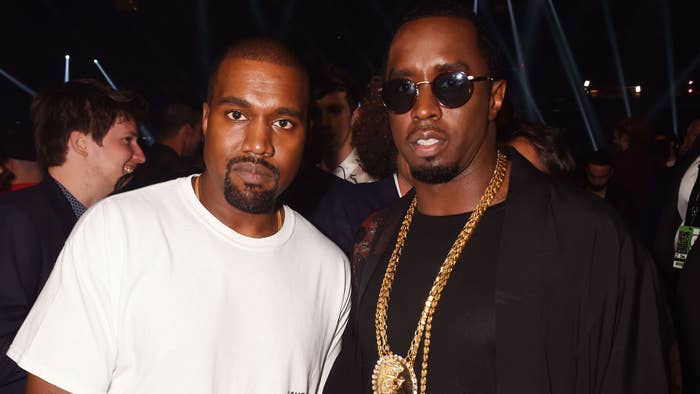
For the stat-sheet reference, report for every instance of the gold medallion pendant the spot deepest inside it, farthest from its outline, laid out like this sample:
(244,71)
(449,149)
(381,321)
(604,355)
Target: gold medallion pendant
(393,375)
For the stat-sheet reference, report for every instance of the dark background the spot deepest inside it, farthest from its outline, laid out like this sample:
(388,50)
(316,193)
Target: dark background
(164,49)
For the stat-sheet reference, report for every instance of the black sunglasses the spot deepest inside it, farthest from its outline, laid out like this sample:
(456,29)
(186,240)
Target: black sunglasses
(452,90)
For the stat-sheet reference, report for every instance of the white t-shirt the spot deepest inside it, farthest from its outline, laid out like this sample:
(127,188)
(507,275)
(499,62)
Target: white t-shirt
(350,169)
(687,183)
(153,294)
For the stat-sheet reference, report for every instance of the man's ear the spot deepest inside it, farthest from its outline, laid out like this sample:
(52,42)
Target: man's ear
(78,142)
(186,129)
(355,115)
(498,92)
(205,118)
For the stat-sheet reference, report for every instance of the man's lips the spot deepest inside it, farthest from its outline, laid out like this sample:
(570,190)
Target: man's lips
(252,173)
(427,142)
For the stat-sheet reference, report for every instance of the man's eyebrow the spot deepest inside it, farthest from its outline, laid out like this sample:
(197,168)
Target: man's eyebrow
(440,68)
(233,100)
(291,112)
(400,73)
(455,66)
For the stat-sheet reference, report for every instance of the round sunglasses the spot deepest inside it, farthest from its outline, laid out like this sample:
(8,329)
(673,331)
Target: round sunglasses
(452,90)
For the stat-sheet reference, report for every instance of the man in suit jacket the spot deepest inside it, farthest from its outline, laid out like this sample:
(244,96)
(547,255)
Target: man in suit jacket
(86,138)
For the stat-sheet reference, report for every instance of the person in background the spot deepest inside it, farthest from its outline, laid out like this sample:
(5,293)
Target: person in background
(19,151)
(598,170)
(543,147)
(179,133)
(634,169)
(86,137)
(335,99)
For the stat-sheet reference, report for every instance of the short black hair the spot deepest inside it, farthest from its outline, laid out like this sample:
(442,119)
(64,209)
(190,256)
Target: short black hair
(175,115)
(550,147)
(86,105)
(262,49)
(485,42)
(331,79)
(600,158)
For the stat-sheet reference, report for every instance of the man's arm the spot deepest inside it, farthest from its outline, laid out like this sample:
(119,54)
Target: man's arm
(20,262)
(68,338)
(632,333)
(36,385)
(336,343)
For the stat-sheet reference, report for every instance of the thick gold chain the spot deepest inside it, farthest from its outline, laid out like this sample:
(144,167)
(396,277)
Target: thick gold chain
(426,317)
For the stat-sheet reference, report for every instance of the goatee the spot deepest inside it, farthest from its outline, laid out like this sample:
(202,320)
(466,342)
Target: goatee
(434,174)
(252,198)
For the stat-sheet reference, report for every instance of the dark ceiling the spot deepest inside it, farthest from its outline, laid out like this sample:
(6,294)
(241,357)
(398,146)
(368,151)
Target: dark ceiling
(163,48)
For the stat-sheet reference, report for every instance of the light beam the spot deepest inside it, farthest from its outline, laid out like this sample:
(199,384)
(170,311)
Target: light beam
(66,70)
(572,74)
(522,76)
(17,83)
(666,17)
(104,74)
(616,56)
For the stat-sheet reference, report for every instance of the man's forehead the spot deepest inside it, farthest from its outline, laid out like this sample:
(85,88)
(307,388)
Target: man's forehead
(124,123)
(599,167)
(337,97)
(243,77)
(435,42)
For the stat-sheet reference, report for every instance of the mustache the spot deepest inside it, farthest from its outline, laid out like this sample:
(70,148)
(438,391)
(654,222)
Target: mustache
(425,126)
(252,160)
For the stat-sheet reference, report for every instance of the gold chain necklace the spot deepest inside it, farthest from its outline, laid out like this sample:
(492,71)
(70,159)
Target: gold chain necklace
(278,214)
(393,373)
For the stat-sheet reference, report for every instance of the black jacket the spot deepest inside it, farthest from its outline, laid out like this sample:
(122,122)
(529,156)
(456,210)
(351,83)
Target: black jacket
(162,164)
(578,307)
(34,224)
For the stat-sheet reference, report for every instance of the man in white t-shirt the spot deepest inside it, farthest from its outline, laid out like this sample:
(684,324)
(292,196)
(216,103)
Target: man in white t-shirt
(202,284)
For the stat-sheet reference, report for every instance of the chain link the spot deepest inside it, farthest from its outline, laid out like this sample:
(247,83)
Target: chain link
(426,317)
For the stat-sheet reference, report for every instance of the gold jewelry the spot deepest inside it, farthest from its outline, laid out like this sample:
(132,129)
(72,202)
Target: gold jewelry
(393,373)
(279,219)
(196,187)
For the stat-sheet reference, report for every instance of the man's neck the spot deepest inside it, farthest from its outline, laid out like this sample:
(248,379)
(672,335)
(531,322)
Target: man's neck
(334,158)
(173,143)
(78,183)
(254,225)
(461,194)
(26,171)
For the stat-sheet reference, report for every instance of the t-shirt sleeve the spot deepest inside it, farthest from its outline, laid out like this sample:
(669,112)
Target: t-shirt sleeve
(343,316)
(69,338)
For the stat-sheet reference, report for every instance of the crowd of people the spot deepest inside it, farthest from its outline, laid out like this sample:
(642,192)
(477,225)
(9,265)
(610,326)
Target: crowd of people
(301,233)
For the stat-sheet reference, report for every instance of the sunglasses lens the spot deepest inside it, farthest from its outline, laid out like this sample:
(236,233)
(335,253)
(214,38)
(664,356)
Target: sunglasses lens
(399,95)
(453,89)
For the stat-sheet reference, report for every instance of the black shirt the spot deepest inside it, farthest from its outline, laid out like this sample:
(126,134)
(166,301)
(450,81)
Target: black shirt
(162,164)
(462,350)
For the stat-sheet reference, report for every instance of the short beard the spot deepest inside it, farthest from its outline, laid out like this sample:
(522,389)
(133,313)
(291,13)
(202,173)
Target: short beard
(435,174)
(251,199)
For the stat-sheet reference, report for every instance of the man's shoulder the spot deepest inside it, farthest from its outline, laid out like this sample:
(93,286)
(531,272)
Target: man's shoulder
(159,193)
(138,206)
(581,206)
(27,197)
(39,203)
(530,189)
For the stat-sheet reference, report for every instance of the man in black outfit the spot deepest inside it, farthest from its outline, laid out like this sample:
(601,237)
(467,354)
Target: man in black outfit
(179,135)
(87,141)
(547,291)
